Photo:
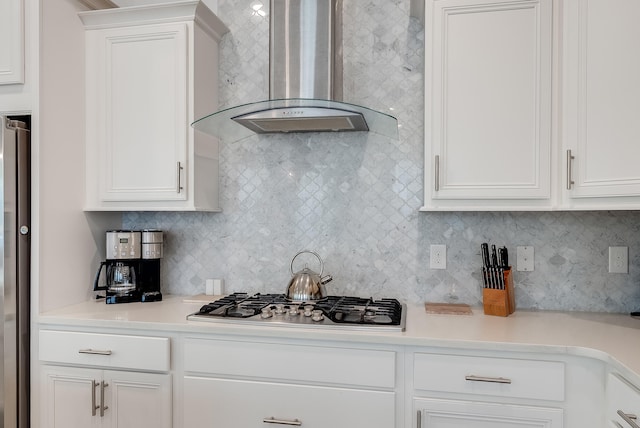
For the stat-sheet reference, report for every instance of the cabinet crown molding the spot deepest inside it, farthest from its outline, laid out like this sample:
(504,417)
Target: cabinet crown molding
(155,14)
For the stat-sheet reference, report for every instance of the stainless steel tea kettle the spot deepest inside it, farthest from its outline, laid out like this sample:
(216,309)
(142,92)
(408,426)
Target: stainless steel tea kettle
(306,284)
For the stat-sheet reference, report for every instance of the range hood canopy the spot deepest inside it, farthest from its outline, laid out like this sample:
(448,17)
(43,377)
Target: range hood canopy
(305,80)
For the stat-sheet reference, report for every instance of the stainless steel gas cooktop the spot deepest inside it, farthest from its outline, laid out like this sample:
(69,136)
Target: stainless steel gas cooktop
(339,312)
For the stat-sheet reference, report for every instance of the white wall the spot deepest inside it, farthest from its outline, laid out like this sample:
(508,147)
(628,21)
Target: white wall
(71,242)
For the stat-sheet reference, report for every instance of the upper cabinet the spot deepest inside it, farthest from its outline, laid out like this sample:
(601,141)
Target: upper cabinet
(12,21)
(149,72)
(601,111)
(532,106)
(488,104)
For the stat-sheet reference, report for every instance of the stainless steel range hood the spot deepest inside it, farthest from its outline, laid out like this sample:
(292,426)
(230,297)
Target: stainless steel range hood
(305,80)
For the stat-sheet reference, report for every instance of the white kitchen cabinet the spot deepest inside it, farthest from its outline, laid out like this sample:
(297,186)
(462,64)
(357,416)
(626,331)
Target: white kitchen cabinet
(104,380)
(12,56)
(78,397)
(251,383)
(210,402)
(150,72)
(488,69)
(601,131)
(476,391)
(623,403)
(438,413)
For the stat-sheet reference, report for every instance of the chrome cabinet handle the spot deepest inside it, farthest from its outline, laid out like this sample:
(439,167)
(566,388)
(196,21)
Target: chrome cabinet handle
(273,420)
(179,174)
(103,385)
(94,351)
(437,173)
(570,158)
(472,378)
(419,419)
(94,385)
(629,418)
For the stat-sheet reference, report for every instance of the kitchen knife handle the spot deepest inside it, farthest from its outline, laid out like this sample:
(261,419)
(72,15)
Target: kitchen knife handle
(473,378)
(570,158)
(437,173)
(273,420)
(629,418)
(484,249)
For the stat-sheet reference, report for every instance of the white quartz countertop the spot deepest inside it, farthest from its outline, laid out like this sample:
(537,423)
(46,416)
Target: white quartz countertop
(613,338)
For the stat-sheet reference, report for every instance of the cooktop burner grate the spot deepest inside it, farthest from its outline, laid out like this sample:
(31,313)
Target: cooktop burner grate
(336,311)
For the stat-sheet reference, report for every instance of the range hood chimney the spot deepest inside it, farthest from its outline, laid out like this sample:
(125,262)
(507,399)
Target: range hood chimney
(305,80)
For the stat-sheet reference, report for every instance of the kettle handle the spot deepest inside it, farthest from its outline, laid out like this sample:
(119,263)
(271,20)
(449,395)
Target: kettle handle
(310,252)
(95,281)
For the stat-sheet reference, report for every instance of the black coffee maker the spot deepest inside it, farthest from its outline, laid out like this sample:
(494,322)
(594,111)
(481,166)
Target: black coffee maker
(131,272)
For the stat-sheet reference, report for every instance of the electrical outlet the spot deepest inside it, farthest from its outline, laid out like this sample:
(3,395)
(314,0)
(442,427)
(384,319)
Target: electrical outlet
(438,257)
(618,259)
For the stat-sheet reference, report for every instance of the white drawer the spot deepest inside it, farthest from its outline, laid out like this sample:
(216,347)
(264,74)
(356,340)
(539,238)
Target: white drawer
(504,377)
(343,366)
(622,396)
(105,350)
(236,403)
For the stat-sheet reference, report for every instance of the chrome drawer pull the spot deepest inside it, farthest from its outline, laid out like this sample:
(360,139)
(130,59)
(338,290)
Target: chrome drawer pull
(103,385)
(629,418)
(473,378)
(179,187)
(273,420)
(570,181)
(94,352)
(94,385)
(437,173)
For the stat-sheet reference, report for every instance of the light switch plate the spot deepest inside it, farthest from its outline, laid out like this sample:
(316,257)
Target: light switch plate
(618,259)
(524,258)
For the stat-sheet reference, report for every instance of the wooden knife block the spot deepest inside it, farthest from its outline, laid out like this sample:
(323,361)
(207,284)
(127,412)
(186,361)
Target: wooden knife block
(500,302)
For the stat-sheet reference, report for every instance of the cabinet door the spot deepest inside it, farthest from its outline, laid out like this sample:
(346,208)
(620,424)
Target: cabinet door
(246,404)
(12,36)
(623,402)
(70,398)
(434,413)
(601,64)
(137,400)
(488,104)
(138,87)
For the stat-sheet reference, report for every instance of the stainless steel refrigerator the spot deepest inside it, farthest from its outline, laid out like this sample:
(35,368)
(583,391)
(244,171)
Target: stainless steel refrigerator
(15,188)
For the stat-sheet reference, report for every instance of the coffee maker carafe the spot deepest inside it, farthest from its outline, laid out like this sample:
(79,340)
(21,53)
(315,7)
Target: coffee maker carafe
(126,275)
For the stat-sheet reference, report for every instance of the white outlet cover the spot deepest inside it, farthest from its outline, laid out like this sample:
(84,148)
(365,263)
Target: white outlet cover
(618,259)
(438,257)
(525,258)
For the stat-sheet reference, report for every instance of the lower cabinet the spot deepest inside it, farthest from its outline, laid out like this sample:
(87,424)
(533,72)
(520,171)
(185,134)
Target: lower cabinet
(78,397)
(623,403)
(104,380)
(256,383)
(438,413)
(486,391)
(99,379)
(243,404)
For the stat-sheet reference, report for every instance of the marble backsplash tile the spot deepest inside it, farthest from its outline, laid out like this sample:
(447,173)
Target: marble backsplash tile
(354,198)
